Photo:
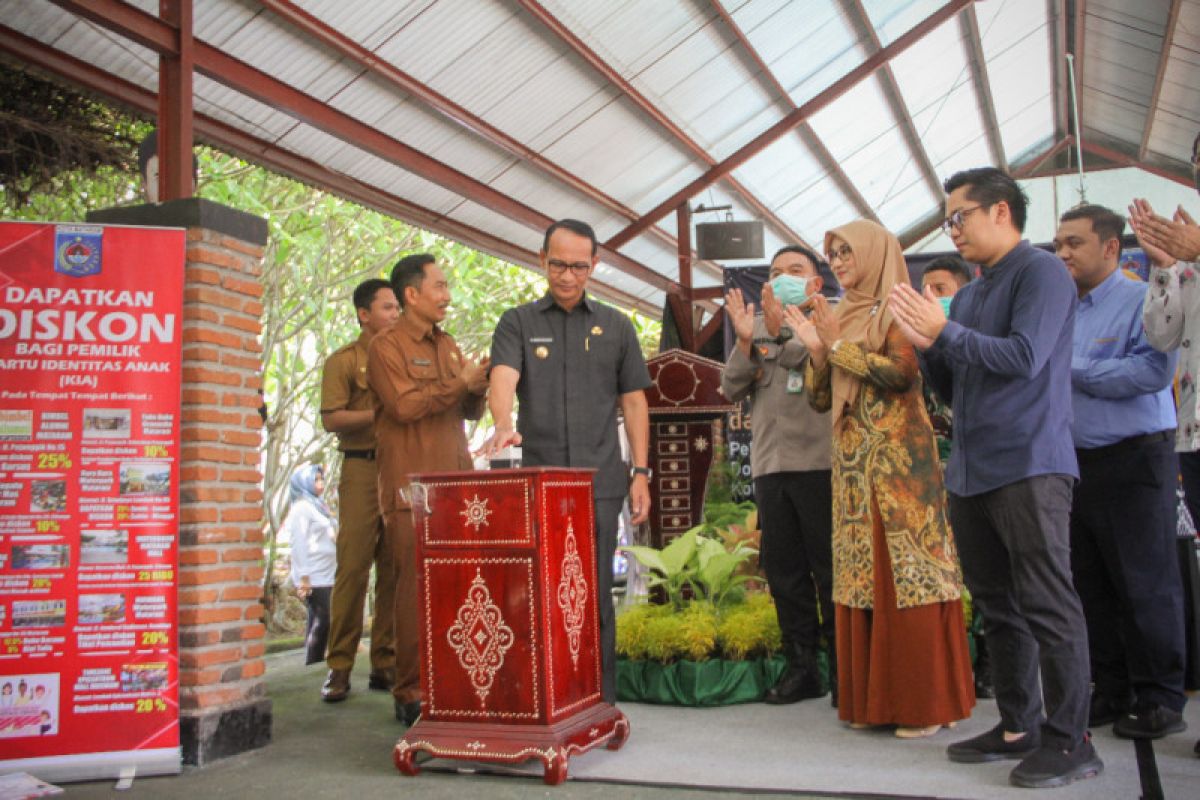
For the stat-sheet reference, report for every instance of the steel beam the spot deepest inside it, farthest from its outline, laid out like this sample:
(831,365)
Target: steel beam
(1078,40)
(784,100)
(1057,34)
(22,49)
(1032,167)
(861,21)
(580,48)
(969,24)
(772,134)
(256,84)
(387,72)
(1164,57)
(1124,160)
(175,175)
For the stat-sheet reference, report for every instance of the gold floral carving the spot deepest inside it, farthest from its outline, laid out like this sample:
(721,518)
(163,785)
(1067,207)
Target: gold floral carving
(572,594)
(480,637)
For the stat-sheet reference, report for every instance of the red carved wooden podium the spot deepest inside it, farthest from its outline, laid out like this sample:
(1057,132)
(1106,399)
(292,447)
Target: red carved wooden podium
(510,656)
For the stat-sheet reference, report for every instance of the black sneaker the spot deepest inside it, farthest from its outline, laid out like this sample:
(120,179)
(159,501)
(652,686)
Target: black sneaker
(1049,766)
(1149,721)
(991,746)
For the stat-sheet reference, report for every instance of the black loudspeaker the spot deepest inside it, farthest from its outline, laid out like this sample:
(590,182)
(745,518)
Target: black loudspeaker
(727,241)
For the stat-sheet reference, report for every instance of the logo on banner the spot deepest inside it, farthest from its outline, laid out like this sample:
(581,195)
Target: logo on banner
(77,250)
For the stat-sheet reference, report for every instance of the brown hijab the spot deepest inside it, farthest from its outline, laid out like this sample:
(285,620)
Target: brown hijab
(863,313)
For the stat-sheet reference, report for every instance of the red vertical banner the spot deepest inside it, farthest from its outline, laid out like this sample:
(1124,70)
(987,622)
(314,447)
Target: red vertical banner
(90,381)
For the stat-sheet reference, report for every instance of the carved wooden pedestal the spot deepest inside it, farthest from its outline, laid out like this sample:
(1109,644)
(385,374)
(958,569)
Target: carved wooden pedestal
(510,657)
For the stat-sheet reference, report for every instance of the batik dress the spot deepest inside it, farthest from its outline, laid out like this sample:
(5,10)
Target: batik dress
(901,643)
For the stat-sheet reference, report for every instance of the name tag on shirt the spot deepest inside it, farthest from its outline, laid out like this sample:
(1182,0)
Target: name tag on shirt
(795,382)
(541,339)
(422,362)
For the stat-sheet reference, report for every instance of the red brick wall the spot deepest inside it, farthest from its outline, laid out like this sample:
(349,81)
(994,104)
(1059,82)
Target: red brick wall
(221,636)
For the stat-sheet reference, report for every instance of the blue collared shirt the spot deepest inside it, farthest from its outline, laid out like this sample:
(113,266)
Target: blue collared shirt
(1004,361)
(1120,385)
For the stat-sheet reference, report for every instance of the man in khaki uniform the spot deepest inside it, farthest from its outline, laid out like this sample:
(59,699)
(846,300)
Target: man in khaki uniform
(425,389)
(348,409)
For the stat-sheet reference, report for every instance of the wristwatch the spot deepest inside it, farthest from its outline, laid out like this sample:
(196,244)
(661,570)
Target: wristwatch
(649,473)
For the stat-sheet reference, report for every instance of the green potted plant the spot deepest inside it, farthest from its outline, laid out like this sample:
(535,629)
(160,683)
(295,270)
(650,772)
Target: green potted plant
(714,641)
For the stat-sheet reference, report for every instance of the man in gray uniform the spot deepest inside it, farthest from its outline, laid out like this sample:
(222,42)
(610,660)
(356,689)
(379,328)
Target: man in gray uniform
(571,361)
(790,463)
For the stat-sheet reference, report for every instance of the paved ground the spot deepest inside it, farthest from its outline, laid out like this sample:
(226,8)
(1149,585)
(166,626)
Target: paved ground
(321,750)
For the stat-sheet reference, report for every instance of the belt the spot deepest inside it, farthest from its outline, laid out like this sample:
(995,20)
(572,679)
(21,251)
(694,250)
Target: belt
(369,455)
(1123,446)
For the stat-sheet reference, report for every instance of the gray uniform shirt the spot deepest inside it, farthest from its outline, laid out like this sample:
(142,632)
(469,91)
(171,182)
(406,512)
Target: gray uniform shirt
(574,368)
(789,436)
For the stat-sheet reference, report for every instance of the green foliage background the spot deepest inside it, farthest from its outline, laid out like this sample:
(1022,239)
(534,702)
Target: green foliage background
(320,247)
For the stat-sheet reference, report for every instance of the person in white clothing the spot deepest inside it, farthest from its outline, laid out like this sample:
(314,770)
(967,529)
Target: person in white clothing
(310,529)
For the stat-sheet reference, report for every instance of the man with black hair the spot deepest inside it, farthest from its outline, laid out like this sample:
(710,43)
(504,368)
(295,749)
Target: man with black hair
(1123,517)
(426,388)
(945,275)
(1004,359)
(571,361)
(348,410)
(790,463)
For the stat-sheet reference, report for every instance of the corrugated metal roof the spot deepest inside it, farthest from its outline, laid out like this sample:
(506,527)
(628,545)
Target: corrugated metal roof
(635,99)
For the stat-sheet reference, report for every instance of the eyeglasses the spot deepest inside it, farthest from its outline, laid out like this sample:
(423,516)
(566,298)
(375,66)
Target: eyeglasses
(580,268)
(955,221)
(844,252)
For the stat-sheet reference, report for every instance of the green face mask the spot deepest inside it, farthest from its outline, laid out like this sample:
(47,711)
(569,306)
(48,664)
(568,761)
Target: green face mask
(790,290)
(945,301)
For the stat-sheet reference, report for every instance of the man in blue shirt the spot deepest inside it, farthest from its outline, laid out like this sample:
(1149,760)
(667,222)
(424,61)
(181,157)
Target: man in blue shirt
(1123,516)
(1004,359)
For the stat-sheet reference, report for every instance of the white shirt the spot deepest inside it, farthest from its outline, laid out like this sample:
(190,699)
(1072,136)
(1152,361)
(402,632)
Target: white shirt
(314,554)
(1171,316)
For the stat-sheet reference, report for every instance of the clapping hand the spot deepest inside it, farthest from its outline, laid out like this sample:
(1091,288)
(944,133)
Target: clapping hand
(741,316)
(806,332)
(826,321)
(1164,240)
(920,317)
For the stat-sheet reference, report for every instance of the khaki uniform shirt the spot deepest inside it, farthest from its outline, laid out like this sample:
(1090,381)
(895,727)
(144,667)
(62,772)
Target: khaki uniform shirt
(423,400)
(789,435)
(344,387)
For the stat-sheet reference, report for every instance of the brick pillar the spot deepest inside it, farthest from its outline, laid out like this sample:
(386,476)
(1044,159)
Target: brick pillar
(223,701)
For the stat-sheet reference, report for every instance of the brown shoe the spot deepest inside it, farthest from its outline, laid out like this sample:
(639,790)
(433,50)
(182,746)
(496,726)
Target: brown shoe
(381,680)
(337,686)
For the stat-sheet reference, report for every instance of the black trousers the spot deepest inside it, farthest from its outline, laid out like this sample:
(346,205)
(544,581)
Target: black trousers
(795,512)
(607,511)
(1015,550)
(1126,569)
(316,635)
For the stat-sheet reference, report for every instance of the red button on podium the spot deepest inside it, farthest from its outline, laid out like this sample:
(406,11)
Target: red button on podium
(510,640)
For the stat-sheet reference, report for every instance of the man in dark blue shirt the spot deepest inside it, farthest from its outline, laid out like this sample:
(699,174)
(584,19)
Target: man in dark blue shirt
(1123,518)
(1004,359)
(571,361)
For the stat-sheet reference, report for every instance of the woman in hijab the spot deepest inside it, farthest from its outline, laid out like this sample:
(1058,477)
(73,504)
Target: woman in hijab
(901,642)
(310,529)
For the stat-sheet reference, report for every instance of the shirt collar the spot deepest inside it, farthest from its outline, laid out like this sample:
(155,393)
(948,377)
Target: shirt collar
(1018,253)
(1097,295)
(547,302)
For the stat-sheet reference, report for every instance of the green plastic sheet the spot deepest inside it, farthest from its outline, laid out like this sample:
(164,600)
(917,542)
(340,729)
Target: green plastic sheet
(715,682)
